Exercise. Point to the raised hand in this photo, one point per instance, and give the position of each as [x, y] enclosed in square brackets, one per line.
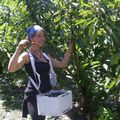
[23, 44]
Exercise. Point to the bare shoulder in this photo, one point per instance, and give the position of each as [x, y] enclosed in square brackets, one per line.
[52, 58]
[25, 57]
[55, 62]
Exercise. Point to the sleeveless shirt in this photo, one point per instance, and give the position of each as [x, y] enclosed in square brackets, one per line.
[42, 68]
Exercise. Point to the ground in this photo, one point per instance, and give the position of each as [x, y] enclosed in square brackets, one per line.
[16, 114]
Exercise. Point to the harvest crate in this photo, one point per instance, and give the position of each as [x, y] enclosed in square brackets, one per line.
[54, 104]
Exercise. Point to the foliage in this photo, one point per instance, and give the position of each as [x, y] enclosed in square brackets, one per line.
[94, 71]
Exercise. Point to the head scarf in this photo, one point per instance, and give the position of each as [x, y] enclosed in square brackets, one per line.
[31, 31]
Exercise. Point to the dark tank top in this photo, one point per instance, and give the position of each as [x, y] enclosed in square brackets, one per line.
[42, 68]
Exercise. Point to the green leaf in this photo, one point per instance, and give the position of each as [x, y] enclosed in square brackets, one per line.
[75, 4]
[118, 68]
[111, 84]
[57, 19]
[90, 22]
[85, 12]
[78, 22]
[115, 59]
[95, 62]
[108, 1]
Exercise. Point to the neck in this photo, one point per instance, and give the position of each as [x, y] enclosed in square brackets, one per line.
[35, 49]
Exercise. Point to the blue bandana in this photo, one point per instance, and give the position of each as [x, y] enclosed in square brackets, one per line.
[31, 31]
